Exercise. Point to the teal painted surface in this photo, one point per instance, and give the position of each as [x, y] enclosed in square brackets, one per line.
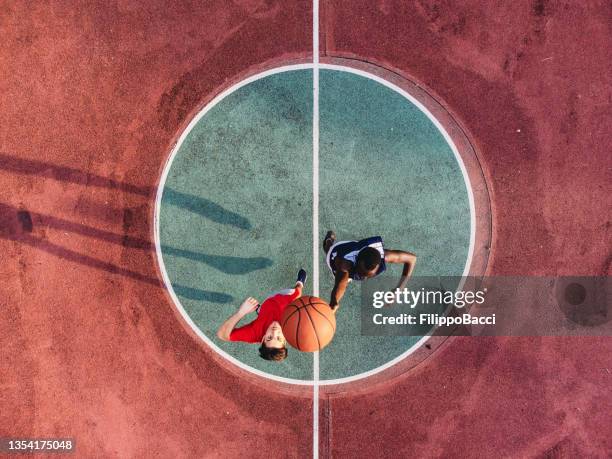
[236, 212]
[385, 170]
[239, 194]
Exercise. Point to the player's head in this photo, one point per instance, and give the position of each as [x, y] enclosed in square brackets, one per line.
[273, 344]
[368, 262]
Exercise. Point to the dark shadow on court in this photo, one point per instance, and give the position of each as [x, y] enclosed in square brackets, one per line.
[226, 264]
[18, 225]
[202, 295]
[86, 260]
[67, 174]
[205, 208]
[195, 204]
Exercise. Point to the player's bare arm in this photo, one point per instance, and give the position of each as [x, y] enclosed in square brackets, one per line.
[249, 305]
[401, 256]
[341, 279]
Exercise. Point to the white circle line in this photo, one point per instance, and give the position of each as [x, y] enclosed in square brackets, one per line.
[468, 185]
[166, 171]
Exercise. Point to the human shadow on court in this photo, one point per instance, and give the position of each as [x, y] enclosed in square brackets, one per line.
[23, 219]
[67, 174]
[226, 264]
[205, 208]
[18, 226]
[195, 204]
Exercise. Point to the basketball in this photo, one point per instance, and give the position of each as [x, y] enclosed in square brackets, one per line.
[308, 324]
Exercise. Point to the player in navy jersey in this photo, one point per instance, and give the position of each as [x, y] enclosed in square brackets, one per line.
[359, 260]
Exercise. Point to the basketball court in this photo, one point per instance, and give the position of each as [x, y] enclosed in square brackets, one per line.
[160, 164]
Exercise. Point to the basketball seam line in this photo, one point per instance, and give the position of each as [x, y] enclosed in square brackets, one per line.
[297, 329]
[326, 318]
[289, 316]
[314, 329]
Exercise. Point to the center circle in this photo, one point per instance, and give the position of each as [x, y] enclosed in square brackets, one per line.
[234, 214]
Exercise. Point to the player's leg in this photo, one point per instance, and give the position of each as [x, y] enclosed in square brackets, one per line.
[299, 285]
[300, 281]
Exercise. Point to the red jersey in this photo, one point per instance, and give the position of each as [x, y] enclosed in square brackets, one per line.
[271, 310]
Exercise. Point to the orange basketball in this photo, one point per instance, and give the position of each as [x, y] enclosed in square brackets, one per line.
[308, 324]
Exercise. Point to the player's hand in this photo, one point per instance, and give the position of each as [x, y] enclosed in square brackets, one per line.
[248, 305]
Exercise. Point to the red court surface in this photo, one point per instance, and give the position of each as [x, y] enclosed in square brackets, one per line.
[92, 99]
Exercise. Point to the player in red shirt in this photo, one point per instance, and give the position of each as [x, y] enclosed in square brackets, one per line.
[265, 329]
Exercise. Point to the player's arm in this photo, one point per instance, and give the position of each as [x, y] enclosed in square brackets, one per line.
[401, 256]
[249, 305]
[341, 279]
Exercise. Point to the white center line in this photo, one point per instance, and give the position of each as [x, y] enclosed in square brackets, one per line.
[315, 215]
[315, 154]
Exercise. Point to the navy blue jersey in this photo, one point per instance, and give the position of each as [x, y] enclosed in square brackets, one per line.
[349, 250]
